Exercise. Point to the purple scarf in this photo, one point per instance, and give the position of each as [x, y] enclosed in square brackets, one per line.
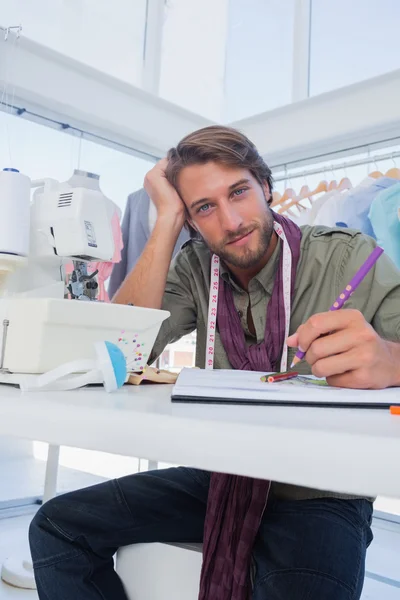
[236, 504]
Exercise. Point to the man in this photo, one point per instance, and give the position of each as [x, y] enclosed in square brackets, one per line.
[306, 544]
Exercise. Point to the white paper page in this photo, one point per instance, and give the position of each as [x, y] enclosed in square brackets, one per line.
[246, 385]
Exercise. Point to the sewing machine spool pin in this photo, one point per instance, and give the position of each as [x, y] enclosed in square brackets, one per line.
[6, 323]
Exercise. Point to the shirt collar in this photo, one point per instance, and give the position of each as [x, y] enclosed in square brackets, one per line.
[384, 182]
[265, 277]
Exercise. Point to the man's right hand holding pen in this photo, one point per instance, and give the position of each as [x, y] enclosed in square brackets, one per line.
[344, 348]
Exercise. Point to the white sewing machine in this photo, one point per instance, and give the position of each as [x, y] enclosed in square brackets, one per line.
[46, 318]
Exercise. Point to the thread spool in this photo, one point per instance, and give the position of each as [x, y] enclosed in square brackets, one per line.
[15, 193]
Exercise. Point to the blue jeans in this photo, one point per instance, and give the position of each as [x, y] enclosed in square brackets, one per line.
[305, 550]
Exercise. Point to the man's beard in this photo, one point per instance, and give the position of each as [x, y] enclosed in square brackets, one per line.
[243, 257]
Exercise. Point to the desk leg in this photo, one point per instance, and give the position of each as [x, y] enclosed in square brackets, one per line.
[50, 479]
[19, 572]
[147, 465]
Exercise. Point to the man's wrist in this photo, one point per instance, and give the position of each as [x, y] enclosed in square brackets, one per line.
[394, 349]
[170, 222]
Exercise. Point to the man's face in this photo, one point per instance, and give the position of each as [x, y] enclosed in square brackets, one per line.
[228, 208]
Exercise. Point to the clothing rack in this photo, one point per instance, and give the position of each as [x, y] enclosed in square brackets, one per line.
[344, 165]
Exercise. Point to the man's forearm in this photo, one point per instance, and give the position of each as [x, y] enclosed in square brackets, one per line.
[145, 284]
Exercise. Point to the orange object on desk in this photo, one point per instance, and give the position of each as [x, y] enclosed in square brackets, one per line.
[281, 377]
[395, 410]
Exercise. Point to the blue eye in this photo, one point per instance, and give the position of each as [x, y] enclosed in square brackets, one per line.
[239, 192]
[204, 208]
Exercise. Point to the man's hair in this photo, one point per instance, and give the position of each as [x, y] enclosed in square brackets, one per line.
[223, 145]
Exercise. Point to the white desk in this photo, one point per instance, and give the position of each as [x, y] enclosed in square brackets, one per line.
[346, 450]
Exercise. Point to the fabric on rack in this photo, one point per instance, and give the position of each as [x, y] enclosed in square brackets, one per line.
[328, 199]
[357, 205]
[299, 218]
[135, 233]
[311, 215]
[327, 208]
[333, 210]
[384, 215]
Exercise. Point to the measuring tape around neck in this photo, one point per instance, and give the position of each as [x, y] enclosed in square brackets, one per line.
[213, 300]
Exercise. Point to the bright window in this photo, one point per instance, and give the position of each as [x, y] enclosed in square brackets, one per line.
[193, 55]
[227, 60]
[259, 57]
[106, 35]
[352, 41]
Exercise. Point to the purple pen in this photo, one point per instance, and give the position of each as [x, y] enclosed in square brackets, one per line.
[349, 289]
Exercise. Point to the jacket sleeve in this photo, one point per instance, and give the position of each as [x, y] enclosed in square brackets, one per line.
[378, 295]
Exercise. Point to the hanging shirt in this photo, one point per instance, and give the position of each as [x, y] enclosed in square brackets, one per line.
[384, 215]
[329, 200]
[357, 205]
[135, 233]
[334, 211]
[301, 217]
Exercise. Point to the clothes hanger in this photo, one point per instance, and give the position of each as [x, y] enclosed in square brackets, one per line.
[289, 211]
[394, 173]
[306, 193]
[294, 202]
[279, 199]
[276, 199]
[288, 194]
[345, 184]
[376, 174]
[321, 187]
[332, 185]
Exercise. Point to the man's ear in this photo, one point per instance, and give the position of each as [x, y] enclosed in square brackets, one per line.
[267, 192]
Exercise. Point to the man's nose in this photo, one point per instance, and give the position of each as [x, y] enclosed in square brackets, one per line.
[230, 219]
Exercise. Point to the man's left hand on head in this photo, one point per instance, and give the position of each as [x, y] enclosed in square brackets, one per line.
[344, 348]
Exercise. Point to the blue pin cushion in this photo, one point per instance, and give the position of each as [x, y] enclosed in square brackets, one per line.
[112, 363]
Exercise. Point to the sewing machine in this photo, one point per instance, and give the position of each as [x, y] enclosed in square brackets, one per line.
[49, 315]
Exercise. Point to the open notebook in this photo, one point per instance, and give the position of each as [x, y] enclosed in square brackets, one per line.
[244, 387]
